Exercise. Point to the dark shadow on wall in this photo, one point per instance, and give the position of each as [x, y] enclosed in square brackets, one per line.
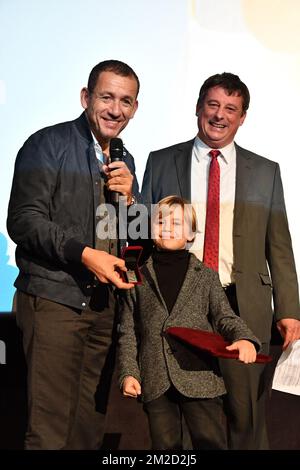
[8, 275]
[13, 399]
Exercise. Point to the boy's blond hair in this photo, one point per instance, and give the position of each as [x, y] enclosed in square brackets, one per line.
[189, 212]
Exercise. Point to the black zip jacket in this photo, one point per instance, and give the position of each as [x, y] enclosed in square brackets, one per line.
[52, 211]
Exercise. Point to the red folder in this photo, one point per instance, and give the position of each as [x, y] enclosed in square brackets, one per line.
[210, 342]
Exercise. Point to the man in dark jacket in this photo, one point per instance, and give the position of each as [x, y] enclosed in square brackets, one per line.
[66, 297]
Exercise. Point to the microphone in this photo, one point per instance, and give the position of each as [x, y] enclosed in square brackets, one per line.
[116, 155]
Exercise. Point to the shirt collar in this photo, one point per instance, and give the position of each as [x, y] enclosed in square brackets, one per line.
[201, 151]
[99, 153]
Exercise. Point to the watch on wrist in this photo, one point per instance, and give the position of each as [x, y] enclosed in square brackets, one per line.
[132, 201]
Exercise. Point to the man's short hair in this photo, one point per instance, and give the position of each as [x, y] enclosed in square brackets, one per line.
[230, 82]
[116, 66]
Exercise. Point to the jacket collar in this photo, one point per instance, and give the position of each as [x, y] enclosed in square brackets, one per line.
[193, 275]
[83, 128]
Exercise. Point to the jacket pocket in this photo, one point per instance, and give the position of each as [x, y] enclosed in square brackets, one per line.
[265, 279]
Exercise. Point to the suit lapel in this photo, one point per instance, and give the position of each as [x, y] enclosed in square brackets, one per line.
[149, 273]
[183, 162]
[189, 286]
[243, 177]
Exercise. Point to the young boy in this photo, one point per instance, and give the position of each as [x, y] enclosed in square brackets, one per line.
[173, 379]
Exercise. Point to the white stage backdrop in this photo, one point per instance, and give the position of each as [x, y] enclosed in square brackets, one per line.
[48, 47]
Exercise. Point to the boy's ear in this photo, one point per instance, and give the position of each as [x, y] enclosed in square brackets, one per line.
[189, 234]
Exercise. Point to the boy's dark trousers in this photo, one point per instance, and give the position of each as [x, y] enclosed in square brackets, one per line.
[204, 419]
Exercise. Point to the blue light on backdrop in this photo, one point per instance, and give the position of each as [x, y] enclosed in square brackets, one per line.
[48, 48]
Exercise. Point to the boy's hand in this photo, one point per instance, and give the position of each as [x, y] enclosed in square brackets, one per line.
[247, 351]
[131, 387]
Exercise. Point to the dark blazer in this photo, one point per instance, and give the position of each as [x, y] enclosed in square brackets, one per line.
[52, 211]
[263, 257]
[156, 360]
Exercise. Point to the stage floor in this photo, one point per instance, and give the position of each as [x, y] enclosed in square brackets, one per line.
[126, 426]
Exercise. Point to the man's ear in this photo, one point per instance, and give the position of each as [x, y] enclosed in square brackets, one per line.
[243, 117]
[135, 107]
[84, 97]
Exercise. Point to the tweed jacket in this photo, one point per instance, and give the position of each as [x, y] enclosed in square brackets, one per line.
[263, 260]
[157, 361]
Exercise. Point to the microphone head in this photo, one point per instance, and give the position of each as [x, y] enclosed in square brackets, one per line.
[116, 150]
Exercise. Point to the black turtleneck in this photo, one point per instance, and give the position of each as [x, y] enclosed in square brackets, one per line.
[170, 267]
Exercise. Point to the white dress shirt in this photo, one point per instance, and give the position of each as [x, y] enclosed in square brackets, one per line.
[99, 153]
[199, 183]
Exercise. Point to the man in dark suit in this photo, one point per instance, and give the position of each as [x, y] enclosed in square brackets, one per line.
[66, 300]
[256, 260]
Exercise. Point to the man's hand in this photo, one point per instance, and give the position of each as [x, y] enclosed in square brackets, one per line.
[119, 179]
[131, 387]
[289, 329]
[105, 266]
[247, 351]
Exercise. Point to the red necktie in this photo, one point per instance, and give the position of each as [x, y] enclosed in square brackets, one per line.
[211, 238]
